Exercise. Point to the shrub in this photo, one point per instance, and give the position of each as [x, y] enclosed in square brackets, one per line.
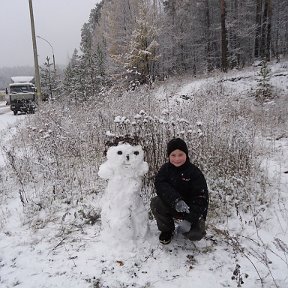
[58, 152]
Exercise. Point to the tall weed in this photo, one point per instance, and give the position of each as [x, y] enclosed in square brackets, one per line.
[59, 150]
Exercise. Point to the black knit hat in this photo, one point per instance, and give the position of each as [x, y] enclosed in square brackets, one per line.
[176, 143]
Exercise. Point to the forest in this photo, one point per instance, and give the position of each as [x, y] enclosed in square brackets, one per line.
[213, 73]
[134, 42]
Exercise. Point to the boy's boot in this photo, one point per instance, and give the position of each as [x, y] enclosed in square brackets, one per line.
[166, 237]
[197, 231]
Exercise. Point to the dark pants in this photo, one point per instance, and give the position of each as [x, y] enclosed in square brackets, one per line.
[165, 215]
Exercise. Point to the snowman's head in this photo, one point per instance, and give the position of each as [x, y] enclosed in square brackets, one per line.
[124, 156]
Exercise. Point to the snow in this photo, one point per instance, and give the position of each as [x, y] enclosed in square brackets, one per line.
[47, 257]
[9, 118]
[7, 125]
[22, 79]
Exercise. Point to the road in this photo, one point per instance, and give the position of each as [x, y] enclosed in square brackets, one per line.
[7, 122]
[4, 108]
[7, 118]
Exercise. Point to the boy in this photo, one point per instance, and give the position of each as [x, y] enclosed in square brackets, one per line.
[182, 194]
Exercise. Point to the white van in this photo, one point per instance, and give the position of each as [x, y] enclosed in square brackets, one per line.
[22, 95]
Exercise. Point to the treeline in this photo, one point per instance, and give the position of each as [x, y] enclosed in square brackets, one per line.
[7, 72]
[137, 41]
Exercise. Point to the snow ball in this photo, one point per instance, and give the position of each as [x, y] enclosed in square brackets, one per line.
[142, 112]
[46, 136]
[182, 120]
[165, 112]
[127, 121]
[117, 119]
[137, 116]
[109, 134]
[163, 121]
[199, 132]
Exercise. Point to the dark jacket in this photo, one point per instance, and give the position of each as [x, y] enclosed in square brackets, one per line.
[185, 182]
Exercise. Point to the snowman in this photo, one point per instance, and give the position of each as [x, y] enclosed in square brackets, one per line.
[124, 217]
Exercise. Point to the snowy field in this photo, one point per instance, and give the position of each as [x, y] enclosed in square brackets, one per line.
[6, 115]
[238, 254]
[7, 125]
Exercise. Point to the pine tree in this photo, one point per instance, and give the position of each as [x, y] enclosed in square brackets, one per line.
[264, 88]
[49, 83]
[88, 65]
[73, 85]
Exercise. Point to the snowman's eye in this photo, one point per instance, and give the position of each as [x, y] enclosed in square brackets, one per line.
[136, 152]
[119, 152]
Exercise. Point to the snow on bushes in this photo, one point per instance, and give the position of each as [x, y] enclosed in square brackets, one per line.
[58, 152]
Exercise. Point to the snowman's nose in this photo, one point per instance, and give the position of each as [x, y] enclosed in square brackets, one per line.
[127, 157]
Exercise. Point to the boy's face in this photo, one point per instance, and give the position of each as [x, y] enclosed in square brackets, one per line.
[177, 158]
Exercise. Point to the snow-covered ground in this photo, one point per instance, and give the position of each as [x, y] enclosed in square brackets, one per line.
[6, 115]
[231, 253]
[7, 125]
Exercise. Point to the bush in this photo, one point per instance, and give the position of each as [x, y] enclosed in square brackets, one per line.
[57, 154]
[264, 88]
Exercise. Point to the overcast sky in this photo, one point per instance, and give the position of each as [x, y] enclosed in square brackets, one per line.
[57, 21]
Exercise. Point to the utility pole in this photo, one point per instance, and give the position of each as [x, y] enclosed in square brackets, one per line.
[36, 66]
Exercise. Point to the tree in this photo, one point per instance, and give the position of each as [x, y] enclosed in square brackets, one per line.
[73, 85]
[181, 42]
[240, 19]
[48, 83]
[208, 35]
[224, 42]
[142, 55]
[153, 38]
[99, 50]
[120, 19]
[264, 89]
[279, 29]
[263, 29]
[88, 63]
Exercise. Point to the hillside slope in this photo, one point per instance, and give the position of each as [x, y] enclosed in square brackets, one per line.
[57, 248]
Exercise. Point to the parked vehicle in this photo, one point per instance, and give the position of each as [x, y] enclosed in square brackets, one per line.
[22, 96]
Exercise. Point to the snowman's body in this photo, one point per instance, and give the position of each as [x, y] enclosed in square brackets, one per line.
[124, 216]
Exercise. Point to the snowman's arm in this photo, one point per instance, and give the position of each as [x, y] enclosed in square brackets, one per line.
[105, 171]
[143, 169]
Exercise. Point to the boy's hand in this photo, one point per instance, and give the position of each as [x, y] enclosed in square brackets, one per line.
[181, 206]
